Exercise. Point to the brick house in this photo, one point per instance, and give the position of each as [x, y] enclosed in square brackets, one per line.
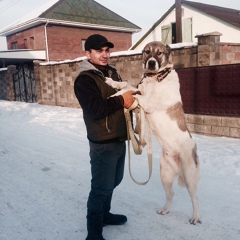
[61, 27]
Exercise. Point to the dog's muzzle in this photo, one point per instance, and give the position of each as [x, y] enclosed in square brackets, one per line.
[151, 65]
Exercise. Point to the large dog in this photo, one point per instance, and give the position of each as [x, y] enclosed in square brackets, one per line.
[161, 101]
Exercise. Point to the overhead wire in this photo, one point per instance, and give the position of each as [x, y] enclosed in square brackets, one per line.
[8, 4]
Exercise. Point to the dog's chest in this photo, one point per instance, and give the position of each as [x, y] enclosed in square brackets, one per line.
[162, 94]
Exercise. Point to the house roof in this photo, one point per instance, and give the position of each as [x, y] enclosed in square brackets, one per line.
[78, 13]
[231, 16]
[17, 56]
[228, 15]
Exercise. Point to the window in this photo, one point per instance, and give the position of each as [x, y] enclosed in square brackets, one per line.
[174, 33]
[25, 43]
[83, 43]
[14, 45]
[169, 32]
[32, 42]
[187, 30]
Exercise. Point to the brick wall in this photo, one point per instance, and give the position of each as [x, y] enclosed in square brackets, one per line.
[55, 84]
[185, 57]
[6, 83]
[209, 51]
[55, 81]
[3, 84]
[230, 53]
[65, 42]
[129, 67]
[33, 38]
[214, 125]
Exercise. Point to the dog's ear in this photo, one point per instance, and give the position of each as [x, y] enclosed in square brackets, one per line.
[169, 54]
[169, 50]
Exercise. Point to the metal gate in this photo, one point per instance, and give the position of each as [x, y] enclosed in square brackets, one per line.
[211, 90]
[24, 84]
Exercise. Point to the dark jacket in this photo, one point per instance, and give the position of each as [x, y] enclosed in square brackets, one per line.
[103, 115]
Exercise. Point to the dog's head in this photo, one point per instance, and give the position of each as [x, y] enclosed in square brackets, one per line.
[156, 57]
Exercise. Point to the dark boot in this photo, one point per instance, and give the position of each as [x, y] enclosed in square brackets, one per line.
[109, 218]
[95, 227]
[114, 219]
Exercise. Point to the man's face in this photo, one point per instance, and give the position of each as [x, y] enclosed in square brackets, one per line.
[99, 57]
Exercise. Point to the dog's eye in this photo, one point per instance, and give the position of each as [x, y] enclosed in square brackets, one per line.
[159, 53]
[147, 51]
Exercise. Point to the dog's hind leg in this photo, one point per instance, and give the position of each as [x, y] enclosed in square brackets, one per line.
[167, 176]
[193, 194]
[192, 179]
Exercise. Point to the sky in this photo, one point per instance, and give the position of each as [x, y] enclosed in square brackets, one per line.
[45, 181]
[142, 13]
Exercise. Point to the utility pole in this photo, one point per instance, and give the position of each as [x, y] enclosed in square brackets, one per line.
[178, 21]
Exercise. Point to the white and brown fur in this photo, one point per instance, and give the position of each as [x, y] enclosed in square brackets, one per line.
[161, 101]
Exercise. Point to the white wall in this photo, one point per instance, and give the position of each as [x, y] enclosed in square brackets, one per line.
[201, 24]
[3, 43]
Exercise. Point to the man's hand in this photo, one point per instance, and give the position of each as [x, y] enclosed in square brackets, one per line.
[128, 99]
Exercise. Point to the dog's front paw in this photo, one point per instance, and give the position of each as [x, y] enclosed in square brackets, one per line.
[115, 84]
[121, 85]
[194, 221]
[110, 82]
[162, 211]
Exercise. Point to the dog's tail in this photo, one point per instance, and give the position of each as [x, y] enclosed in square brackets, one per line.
[181, 182]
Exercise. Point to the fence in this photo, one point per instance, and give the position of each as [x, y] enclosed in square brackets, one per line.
[211, 99]
[210, 93]
[213, 90]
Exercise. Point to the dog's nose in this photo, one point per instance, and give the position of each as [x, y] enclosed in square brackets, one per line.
[151, 65]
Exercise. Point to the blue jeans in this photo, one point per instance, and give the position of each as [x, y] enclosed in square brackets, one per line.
[107, 168]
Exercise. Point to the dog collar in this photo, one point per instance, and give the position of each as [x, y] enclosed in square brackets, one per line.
[160, 75]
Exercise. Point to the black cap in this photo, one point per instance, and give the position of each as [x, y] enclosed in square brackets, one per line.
[97, 41]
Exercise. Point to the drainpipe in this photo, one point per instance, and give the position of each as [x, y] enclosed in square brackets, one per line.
[178, 20]
[46, 40]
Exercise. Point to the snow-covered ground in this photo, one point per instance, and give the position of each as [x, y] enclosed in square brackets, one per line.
[45, 180]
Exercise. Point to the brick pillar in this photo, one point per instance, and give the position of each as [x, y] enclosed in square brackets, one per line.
[11, 69]
[3, 84]
[208, 49]
[38, 81]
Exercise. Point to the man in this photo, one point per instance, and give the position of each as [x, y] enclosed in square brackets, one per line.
[106, 131]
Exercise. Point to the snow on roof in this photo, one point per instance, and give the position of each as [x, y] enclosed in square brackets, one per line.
[121, 53]
[113, 54]
[182, 45]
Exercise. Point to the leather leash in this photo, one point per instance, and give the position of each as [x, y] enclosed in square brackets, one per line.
[138, 144]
